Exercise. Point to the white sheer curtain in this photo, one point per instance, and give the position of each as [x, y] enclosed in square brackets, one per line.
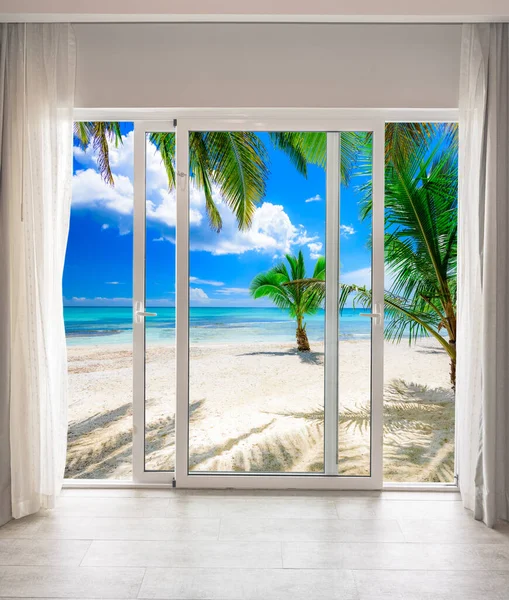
[483, 273]
[35, 189]
[5, 452]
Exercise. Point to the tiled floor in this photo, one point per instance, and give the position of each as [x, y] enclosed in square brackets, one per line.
[172, 544]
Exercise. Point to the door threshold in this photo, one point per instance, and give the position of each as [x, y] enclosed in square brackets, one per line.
[387, 487]
[420, 487]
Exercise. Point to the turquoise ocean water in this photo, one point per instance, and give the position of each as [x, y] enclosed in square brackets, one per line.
[108, 325]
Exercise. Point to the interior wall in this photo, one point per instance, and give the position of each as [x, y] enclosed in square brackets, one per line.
[267, 65]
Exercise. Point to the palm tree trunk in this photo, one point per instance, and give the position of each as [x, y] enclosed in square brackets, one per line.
[453, 373]
[450, 311]
[453, 368]
[302, 338]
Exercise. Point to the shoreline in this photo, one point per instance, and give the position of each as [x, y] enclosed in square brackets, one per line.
[361, 338]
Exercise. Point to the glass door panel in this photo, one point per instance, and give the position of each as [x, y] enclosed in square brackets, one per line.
[279, 279]
[154, 315]
[356, 307]
[256, 328]
[160, 213]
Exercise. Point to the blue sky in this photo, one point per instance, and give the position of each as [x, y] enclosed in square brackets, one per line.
[291, 216]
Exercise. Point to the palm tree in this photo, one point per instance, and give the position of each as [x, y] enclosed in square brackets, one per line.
[421, 201]
[421, 232]
[285, 291]
[236, 162]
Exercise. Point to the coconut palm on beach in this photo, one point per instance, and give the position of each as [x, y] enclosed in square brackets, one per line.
[281, 285]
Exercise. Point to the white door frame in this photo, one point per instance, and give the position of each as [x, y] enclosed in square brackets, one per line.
[328, 480]
[153, 119]
[140, 474]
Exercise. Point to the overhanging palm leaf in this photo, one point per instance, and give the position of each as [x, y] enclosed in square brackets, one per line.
[236, 162]
[421, 236]
[420, 241]
[100, 133]
[310, 147]
[165, 143]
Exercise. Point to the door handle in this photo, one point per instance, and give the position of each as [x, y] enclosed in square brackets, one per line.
[376, 315]
[140, 314]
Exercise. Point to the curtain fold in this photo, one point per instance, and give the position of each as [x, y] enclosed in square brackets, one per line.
[35, 191]
[483, 273]
[5, 451]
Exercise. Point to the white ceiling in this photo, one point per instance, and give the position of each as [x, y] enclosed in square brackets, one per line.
[382, 11]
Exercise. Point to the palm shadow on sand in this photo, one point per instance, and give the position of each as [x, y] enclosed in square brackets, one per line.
[93, 454]
[310, 358]
[418, 432]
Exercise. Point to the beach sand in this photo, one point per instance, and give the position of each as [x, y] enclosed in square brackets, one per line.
[259, 407]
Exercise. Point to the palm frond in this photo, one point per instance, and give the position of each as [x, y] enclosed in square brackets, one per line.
[237, 162]
[165, 143]
[310, 147]
[100, 134]
[292, 143]
[238, 165]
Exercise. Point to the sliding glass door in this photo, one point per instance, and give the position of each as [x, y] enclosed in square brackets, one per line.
[271, 375]
[255, 320]
[254, 246]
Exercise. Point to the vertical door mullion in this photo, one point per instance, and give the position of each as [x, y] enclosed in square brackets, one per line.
[182, 307]
[377, 282]
[331, 303]
[139, 304]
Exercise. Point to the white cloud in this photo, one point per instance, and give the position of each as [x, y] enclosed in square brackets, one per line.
[303, 238]
[360, 277]
[113, 282]
[105, 226]
[205, 281]
[315, 249]
[163, 208]
[165, 238]
[117, 301]
[89, 189]
[272, 231]
[316, 198]
[346, 230]
[230, 291]
[198, 295]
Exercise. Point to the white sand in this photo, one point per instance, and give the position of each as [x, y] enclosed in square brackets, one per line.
[259, 407]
